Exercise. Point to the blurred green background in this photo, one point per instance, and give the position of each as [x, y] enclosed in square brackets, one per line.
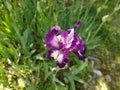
[23, 28]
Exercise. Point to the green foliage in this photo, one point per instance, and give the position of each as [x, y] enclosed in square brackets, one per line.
[23, 27]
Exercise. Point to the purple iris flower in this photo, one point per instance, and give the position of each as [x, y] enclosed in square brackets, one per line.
[61, 43]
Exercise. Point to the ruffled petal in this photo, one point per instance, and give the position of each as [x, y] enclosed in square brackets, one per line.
[52, 41]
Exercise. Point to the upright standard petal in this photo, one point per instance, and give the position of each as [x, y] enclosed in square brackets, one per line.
[64, 37]
[55, 29]
[71, 35]
[77, 25]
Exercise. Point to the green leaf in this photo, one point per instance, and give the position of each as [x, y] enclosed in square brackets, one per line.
[47, 75]
[61, 87]
[71, 82]
[25, 37]
[58, 81]
[76, 70]
[78, 80]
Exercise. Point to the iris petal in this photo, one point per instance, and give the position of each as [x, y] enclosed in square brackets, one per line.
[64, 59]
[63, 63]
[52, 41]
[60, 56]
[80, 56]
[71, 35]
[77, 25]
[64, 36]
[55, 54]
[55, 29]
[49, 54]
[80, 45]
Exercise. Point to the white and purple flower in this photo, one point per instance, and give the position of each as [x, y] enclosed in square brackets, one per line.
[61, 44]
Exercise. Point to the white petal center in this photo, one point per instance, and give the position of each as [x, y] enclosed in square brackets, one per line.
[57, 55]
[60, 58]
[54, 42]
[70, 36]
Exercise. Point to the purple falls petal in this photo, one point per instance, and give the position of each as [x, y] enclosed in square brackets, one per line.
[81, 48]
[49, 54]
[63, 63]
[52, 41]
[80, 55]
[64, 60]
[80, 45]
